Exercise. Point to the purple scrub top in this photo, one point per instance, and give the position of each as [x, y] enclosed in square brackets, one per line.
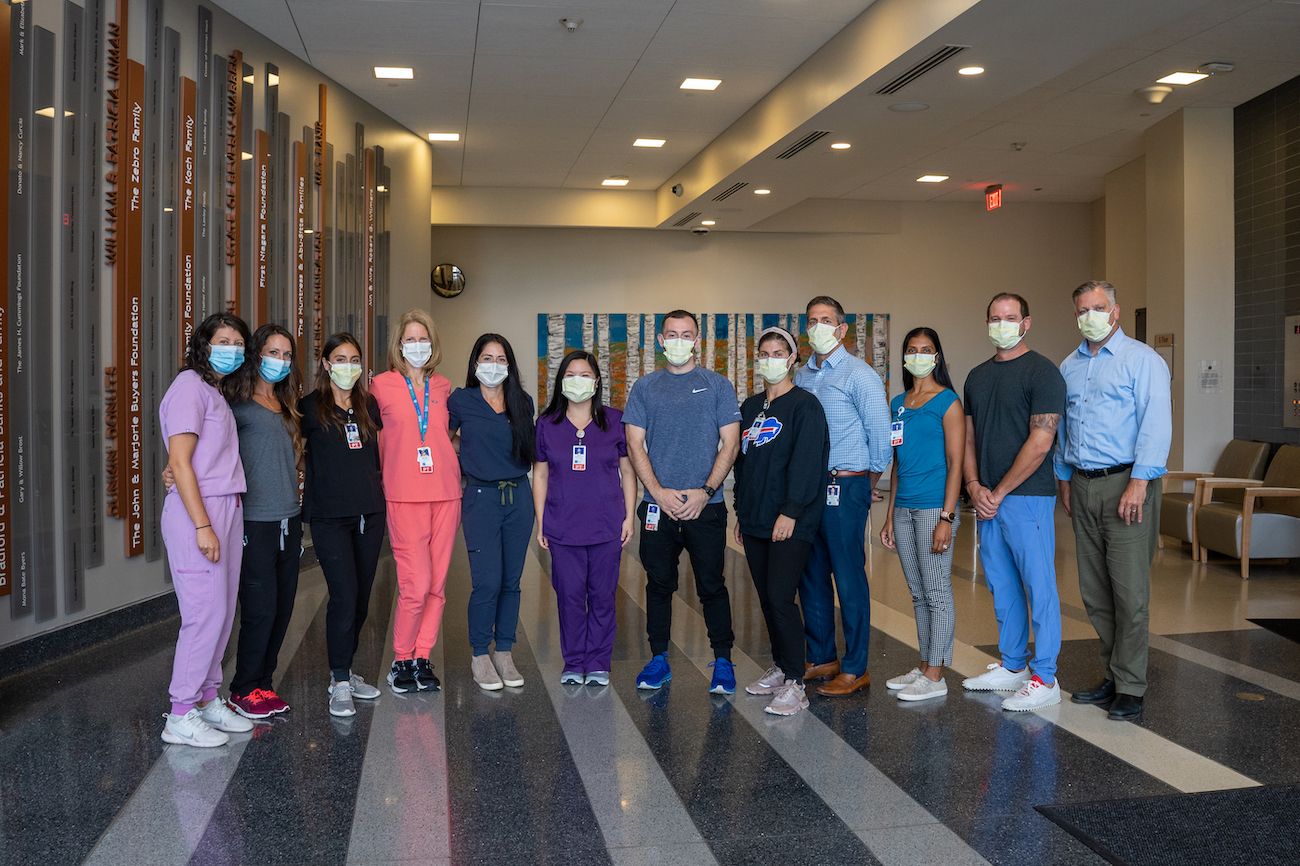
[583, 507]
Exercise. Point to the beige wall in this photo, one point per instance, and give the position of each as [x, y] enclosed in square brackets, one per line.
[939, 270]
[1124, 238]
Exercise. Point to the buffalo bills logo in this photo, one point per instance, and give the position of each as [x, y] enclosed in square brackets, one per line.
[766, 432]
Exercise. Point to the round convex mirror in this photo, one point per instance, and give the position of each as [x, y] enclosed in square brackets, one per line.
[448, 280]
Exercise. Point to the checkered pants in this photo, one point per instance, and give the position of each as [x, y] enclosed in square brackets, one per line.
[929, 577]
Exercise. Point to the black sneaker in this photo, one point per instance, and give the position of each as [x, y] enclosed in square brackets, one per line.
[401, 677]
[425, 676]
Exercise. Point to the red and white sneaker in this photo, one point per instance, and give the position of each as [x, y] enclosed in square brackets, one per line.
[1033, 695]
[274, 701]
[252, 705]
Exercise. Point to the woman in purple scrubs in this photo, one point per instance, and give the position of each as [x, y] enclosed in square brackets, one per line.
[583, 492]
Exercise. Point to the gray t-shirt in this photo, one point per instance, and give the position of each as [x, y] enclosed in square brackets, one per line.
[1000, 398]
[266, 450]
[681, 414]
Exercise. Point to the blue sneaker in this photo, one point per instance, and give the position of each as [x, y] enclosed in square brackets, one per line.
[655, 674]
[724, 677]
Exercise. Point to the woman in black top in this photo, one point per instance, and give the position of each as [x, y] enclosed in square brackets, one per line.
[779, 494]
[344, 503]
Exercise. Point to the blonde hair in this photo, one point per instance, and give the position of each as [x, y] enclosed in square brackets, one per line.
[395, 359]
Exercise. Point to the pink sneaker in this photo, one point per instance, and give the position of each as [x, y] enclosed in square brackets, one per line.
[274, 701]
[252, 705]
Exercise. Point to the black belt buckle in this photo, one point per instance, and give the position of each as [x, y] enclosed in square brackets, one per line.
[1103, 473]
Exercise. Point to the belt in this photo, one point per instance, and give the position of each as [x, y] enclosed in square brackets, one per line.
[847, 473]
[1102, 473]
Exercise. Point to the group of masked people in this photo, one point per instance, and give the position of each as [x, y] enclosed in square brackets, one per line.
[251, 458]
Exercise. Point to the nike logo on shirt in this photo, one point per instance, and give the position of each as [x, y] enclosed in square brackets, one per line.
[698, 390]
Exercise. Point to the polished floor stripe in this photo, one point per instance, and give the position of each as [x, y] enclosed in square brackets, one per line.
[1257, 647]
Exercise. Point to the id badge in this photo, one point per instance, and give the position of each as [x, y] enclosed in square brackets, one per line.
[832, 494]
[353, 433]
[579, 458]
[652, 517]
[896, 433]
[424, 456]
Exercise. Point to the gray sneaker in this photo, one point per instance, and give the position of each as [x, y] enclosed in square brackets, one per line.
[505, 665]
[363, 690]
[788, 700]
[341, 700]
[484, 673]
[922, 689]
[767, 683]
[903, 681]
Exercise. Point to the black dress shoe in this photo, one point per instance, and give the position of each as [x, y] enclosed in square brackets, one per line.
[1102, 694]
[1127, 708]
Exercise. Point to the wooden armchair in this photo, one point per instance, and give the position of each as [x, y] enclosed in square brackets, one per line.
[1240, 459]
[1266, 525]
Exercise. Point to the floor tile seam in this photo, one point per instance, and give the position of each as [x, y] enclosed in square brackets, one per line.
[1275, 683]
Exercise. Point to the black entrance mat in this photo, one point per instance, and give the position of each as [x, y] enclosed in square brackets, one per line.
[1288, 628]
[1242, 827]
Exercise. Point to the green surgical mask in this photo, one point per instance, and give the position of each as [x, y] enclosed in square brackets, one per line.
[345, 375]
[1005, 335]
[772, 370]
[919, 365]
[678, 351]
[821, 337]
[1095, 325]
[579, 389]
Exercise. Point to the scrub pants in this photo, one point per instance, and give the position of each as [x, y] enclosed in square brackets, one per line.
[585, 578]
[422, 535]
[840, 548]
[206, 592]
[497, 518]
[348, 550]
[1018, 550]
[268, 582]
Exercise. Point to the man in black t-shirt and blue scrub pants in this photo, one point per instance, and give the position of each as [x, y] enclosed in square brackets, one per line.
[1014, 402]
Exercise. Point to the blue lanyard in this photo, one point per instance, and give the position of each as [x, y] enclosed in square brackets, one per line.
[422, 417]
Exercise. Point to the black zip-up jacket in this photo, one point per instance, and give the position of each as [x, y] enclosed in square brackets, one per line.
[782, 464]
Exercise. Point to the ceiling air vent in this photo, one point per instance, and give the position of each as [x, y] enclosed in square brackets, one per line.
[731, 190]
[807, 141]
[689, 218]
[921, 68]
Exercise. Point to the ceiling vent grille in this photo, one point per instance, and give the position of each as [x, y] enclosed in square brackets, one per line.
[803, 143]
[731, 190]
[921, 68]
[689, 218]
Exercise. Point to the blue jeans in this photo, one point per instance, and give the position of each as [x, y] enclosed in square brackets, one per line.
[1018, 550]
[839, 549]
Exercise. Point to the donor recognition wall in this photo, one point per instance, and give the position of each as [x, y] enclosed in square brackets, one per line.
[142, 195]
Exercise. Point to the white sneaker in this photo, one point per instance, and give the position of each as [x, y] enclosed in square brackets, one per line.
[1033, 695]
[341, 700]
[191, 730]
[788, 700]
[598, 678]
[903, 681]
[218, 715]
[767, 683]
[362, 689]
[572, 678]
[996, 679]
[922, 689]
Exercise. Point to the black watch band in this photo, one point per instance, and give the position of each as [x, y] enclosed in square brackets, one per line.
[709, 490]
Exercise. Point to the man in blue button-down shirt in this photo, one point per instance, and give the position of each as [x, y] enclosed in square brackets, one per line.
[857, 413]
[1111, 456]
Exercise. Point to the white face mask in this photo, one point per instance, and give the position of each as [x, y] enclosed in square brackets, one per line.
[678, 351]
[1095, 325]
[1005, 335]
[579, 389]
[491, 373]
[772, 370]
[821, 337]
[417, 354]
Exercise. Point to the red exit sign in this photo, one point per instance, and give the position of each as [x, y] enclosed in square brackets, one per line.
[993, 197]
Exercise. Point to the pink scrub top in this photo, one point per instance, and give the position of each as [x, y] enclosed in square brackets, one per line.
[193, 406]
[400, 443]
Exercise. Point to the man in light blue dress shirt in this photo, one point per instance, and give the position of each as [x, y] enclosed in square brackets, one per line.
[857, 412]
[1111, 457]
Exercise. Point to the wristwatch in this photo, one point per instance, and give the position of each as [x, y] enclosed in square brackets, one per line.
[709, 490]
[948, 516]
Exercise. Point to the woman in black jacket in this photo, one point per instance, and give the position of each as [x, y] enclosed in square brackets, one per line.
[779, 499]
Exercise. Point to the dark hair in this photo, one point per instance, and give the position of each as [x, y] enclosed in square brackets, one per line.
[827, 301]
[326, 412]
[519, 406]
[941, 366]
[785, 337]
[680, 314]
[1004, 296]
[560, 404]
[238, 386]
[196, 354]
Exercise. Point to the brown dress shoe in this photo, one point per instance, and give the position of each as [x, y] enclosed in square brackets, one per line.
[821, 672]
[844, 684]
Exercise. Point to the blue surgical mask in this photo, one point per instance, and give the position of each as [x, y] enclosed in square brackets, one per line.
[273, 369]
[226, 359]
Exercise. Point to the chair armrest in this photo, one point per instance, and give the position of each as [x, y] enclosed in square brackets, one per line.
[1186, 476]
[1257, 492]
[1205, 487]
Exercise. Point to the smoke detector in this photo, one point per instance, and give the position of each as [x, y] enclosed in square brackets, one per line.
[571, 24]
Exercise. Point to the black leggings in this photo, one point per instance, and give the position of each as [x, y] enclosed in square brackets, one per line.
[348, 550]
[268, 582]
[776, 567]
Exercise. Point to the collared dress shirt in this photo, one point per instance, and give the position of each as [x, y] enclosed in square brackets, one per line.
[857, 410]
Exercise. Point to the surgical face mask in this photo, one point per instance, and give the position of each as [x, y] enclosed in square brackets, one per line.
[821, 337]
[417, 354]
[579, 389]
[919, 365]
[345, 375]
[678, 351]
[273, 369]
[1005, 335]
[491, 374]
[1095, 325]
[226, 359]
[773, 370]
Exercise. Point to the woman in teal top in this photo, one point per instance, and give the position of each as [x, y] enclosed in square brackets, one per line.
[928, 432]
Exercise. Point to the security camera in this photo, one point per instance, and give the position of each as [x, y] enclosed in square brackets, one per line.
[1156, 93]
[678, 190]
[700, 230]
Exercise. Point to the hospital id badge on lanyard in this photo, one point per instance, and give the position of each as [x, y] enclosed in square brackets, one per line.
[652, 517]
[896, 430]
[353, 433]
[580, 453]
[423, 454]
[832, 494]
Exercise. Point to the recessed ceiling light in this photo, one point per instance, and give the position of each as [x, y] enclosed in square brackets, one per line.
[908, 107]
[708, 222]
[701, 84]
[841, 145]
[650, 142]
[444, 136]
[1182, 78]
[401, 72]
[617, 180]
[762, 191]
[971, 70]
[932, 178]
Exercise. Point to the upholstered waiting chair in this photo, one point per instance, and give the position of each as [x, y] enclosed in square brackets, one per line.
[1266, 525]
[1240, 459]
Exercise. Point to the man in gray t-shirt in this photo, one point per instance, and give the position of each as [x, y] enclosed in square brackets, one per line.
[683, 434]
